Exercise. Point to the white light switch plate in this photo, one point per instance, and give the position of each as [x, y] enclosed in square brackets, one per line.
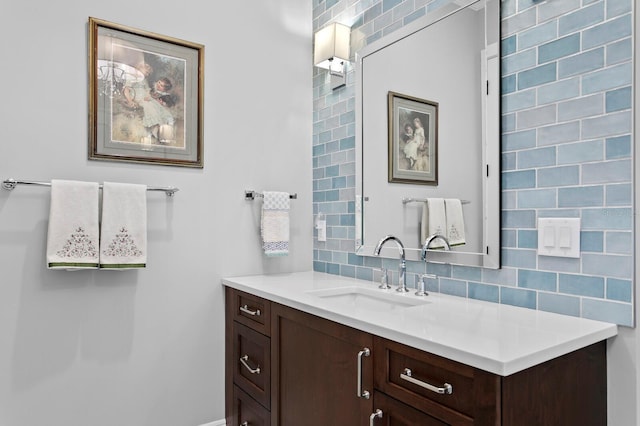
[559, 237]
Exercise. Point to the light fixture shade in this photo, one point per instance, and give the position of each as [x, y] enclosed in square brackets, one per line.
[331, 43]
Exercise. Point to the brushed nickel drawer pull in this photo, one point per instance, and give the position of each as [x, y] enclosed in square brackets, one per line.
[373, 416]
[361, 393]
[246, 310]
[244, 359]
[446, 389]
[244, 424]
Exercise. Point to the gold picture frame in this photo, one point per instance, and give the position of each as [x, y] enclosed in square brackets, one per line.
[413, 140]
[145, 96]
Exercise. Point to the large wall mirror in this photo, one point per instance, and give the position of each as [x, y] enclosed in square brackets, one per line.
[443, 69]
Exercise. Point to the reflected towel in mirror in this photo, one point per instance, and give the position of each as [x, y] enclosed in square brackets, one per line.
[443, 217]
[434, 221]
[455, 222]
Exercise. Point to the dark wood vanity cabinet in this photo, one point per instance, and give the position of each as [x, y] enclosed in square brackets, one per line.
[450, 392]
[568, 390]
[247, 359]
[318, 372]
[311, 369]
[322, 371]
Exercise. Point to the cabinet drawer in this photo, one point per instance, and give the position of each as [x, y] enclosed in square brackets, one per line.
[252, 363]
[248, 412]
[435, 385]
[398, 414]
[250, 310]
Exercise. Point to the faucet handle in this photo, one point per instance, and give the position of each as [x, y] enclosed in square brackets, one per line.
[422, 284]
[384, 279]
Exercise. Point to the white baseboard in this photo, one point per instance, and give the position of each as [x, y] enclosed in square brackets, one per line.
[216, 423]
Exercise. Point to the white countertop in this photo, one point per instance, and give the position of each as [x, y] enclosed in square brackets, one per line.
[501, 339]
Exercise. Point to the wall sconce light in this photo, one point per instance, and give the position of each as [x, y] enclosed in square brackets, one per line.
[331, 51]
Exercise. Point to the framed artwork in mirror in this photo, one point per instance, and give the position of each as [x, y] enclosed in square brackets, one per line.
[413, 140]
[145, 96]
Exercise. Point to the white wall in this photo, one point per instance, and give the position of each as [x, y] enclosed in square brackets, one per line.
[144, 347]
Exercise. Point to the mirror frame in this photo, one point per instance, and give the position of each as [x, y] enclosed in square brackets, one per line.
[491, 118]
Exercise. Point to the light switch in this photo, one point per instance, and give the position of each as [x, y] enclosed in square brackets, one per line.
[549, 233]
[559, 237]
[564, 241]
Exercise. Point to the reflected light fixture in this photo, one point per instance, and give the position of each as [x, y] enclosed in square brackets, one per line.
[331, 51]
[113, 76]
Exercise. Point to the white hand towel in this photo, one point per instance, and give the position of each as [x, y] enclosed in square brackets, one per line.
[275, 223]
[123, 237]
[455, 222]
[72, 238]
[434, 221]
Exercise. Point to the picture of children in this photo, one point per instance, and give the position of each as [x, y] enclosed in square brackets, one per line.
[405, 138]
[411, 150]
[157, 116]
[413, 140]
[422, 150]
[414, 145]
[148, 111]
[146, 96]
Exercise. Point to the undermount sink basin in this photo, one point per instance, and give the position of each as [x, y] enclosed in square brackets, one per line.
[370, 299]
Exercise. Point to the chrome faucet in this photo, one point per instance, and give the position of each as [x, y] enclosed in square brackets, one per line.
[427, 243]
[402, 281]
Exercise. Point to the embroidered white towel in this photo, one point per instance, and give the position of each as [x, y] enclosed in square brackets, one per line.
[123, 236]
[455, 222]
[72, 237]
[275, 223]
[434, 221]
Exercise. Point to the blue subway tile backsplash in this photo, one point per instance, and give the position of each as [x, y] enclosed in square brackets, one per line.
[560, 48]
[567, 151]
[581, 285]
[480, 291]
[620, 290]
[558, 303]
[587, 106]
[618, 147]
[558, 176]
[581, 196]
[609, 31]
[537, 76]
[518, 297]
[581, 152]
[538, 280]
[582, 63]
[619, 52]
[592, 241]
[581, 18]
[618, 99]
[608, 78]
[618, 194]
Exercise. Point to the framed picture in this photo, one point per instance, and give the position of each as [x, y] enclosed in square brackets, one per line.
[413, 140]
[145, 97]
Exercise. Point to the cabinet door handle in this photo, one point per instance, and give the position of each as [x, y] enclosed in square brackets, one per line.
[445, 389]
[244, 359]
[246, 310]
[361, 393]
[373, 416]
[244, 424]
